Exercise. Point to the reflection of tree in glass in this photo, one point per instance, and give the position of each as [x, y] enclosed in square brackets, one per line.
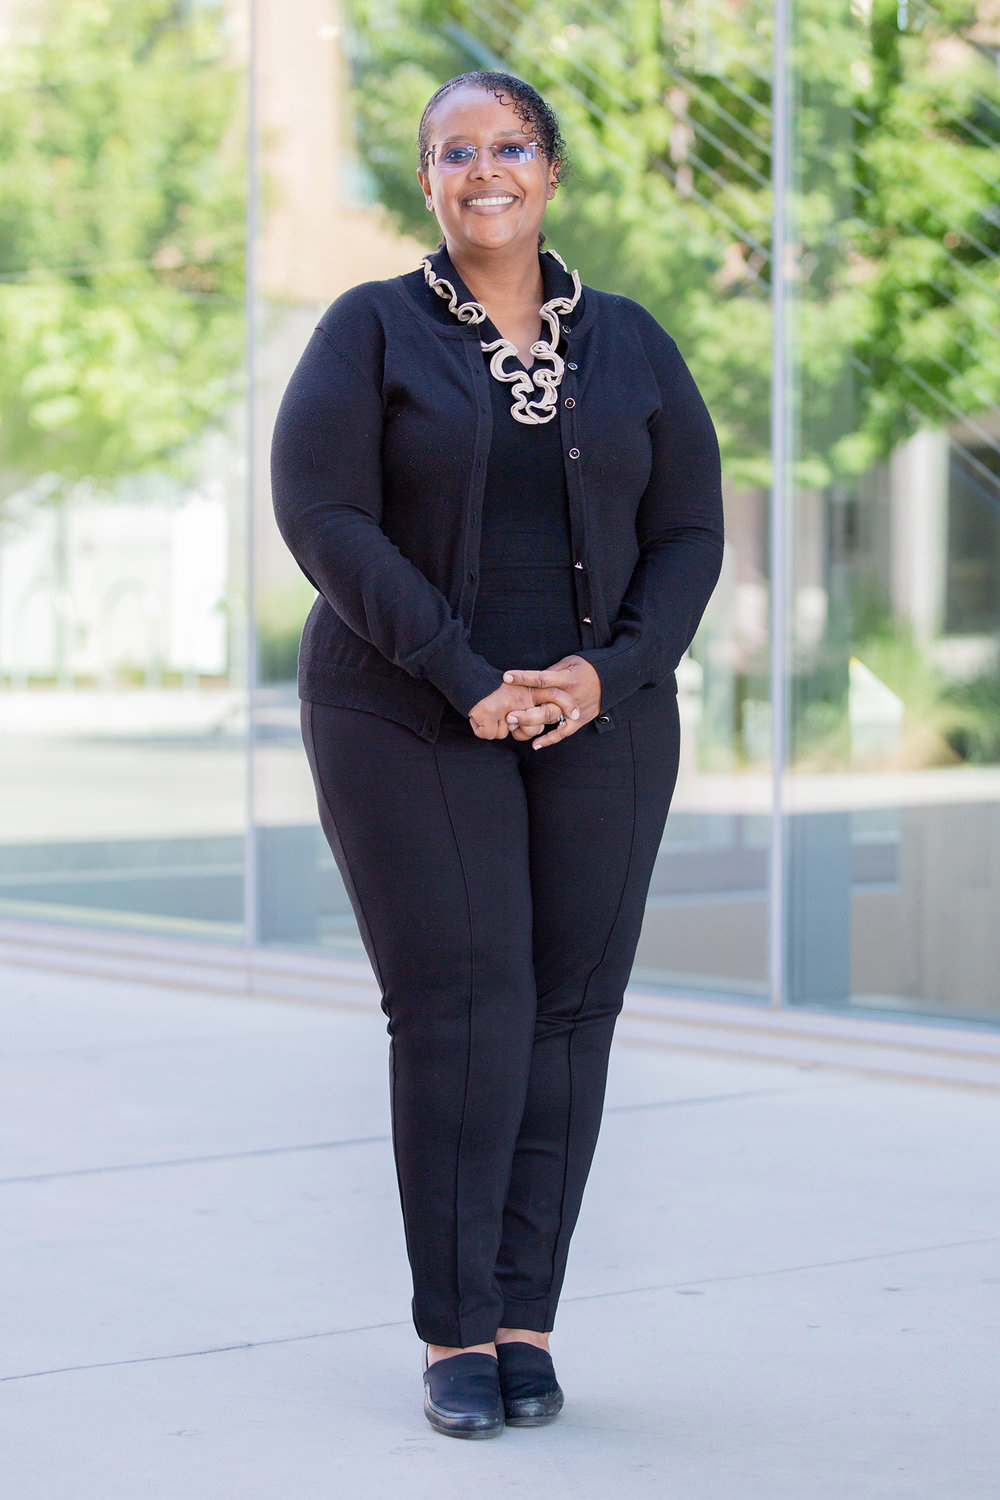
[944, 721]
[121, 237]
[652, 207]
[667, 112]
[923, 250]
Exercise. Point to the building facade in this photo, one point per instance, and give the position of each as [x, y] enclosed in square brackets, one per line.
[816, 224]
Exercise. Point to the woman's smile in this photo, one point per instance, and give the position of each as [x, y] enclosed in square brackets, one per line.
[490, 200]
[489, 203]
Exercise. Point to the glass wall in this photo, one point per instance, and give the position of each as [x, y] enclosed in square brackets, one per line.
[152, 770]
[893, 838]
[668, 200]
[123, 619]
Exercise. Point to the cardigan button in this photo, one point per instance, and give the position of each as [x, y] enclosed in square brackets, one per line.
[574, 453]
[571, 365]
[603, 719]
[587, 620]
[578, 565]
[569, 401]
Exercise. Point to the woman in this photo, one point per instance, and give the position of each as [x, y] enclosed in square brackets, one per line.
[505, 488]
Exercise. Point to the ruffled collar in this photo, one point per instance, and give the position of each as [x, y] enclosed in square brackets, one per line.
[534, 393]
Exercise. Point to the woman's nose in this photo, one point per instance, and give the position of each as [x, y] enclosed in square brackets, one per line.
[484, 165]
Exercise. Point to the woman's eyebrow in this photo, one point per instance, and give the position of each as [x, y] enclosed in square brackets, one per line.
[466, 138]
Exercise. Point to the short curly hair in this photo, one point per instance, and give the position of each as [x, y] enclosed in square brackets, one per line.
[526, 102]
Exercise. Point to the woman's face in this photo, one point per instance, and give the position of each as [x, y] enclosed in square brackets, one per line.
[487, 204]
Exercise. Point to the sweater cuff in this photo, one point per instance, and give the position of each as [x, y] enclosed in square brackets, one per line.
[623, 670]
[464, 677]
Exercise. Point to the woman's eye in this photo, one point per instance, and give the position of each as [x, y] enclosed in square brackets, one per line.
[458, 154]
[512, 151]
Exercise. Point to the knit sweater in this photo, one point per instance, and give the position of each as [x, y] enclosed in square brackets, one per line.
[379, 461]
[526, 611]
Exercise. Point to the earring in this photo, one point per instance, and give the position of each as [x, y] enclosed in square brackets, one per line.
[430, 205]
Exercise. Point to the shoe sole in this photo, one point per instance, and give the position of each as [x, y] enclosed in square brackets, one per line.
[533, 1418]
[473, 1433]
[455, 1427]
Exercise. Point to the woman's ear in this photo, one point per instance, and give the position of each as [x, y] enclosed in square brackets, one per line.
[425, 187]
[553, 177]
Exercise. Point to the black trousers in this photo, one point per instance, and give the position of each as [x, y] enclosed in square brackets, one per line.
[499, 891]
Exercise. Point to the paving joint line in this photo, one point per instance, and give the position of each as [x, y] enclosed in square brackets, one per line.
[194, 1161]
[152, 1359]
[616, 1109]
[817, 1265]
[302, 1338]
[371, 1140]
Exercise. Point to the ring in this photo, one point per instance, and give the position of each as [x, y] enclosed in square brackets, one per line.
[560, 721]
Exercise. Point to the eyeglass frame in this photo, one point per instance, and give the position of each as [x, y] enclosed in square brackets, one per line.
[429, 155]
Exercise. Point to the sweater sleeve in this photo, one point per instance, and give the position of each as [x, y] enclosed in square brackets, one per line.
[326, 483]
[679, 527]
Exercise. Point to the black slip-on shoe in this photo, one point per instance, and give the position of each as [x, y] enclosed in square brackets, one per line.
[528, 1385]
[462, 1396]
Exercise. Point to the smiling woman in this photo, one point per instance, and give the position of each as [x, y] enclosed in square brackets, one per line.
[505, 487]
[490, 198]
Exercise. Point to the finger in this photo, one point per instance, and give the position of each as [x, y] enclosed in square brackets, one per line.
[566, 702]
[547, 712]
[555, 734]
[527, 731]
[549, 678]
[558, 731]
[547, 705]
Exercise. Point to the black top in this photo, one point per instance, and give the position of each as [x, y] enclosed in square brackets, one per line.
[525, 613]
[380, 500]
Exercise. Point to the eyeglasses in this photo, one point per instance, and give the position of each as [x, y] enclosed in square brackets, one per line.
[457, 154]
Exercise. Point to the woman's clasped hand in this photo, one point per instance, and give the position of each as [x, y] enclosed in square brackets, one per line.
[530, 704]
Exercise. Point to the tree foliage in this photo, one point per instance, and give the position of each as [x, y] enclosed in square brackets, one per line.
[121, 237]
[892, 260]
[923, 246]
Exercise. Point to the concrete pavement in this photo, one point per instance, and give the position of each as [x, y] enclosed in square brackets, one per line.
[784, 1285]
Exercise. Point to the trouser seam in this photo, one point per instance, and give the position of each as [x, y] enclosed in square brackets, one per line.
[559, 1247]
[468, 1051]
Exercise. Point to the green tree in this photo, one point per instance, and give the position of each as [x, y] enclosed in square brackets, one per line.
[893, 259]
[121, 237]
[633, 214]
[923, 248]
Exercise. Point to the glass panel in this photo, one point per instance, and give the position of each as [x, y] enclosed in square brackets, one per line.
[669, 206]
[894, 838]
[122, 615]
[320, 233]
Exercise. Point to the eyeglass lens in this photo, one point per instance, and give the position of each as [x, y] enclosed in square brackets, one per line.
[462, 153]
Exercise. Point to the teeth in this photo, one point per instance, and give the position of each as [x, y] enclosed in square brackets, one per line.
[484, 202]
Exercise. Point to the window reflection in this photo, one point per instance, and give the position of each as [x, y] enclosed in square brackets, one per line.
[895, 796]
[125, 501]
[122, 471]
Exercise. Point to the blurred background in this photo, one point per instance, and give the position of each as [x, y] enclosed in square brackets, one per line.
[186, 184]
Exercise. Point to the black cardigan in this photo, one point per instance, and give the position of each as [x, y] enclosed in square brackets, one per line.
[378, 467]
